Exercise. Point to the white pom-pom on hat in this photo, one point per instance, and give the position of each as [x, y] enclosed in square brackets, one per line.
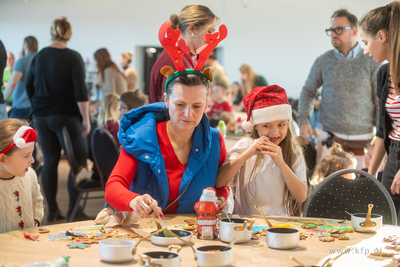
[247, 126]
[18, 139]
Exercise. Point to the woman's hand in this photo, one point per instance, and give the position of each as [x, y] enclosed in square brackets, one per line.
[274, 151]
[395, 188]
[257, 146]
[85, 128]
[222, 203]
[144, 206]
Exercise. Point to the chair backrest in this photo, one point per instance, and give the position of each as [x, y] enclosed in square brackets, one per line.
[69, 151]
[336, 194]
[105, 152]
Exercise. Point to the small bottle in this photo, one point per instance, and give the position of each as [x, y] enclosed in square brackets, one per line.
[206, 209]
[61, 261]
[222, 128]
[238, 126]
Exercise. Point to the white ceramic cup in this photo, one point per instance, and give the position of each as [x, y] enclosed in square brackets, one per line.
[116, 250]
[242, 228]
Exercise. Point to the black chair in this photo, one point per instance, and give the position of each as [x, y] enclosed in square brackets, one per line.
[85, 186]
[336, 194]
[105, 152]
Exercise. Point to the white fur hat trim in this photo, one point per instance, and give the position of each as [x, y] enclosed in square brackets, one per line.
[18, 137]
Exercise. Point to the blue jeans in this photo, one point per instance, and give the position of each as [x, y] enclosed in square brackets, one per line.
[49, 131]
[3, 111]
[20, 113]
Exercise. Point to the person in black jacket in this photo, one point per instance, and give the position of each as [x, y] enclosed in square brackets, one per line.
[380, 32]
[3, 63]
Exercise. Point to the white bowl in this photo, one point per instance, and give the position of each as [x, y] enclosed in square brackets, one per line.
[282, 238]
[242, 228]
[215, 259]
[163, 258]
[357, 218]
[116, 250]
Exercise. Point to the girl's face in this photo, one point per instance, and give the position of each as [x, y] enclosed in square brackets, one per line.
[186, 106]
[18, 162]
[350, 176]
[123, 62]
[218, 93]
[276, 131]
[376, 46]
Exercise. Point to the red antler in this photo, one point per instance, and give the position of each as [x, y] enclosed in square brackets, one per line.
[212, 39]
[168, 39]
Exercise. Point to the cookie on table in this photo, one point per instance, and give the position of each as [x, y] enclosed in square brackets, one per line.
[316, 222]
[343, 237]
[335, 235]
[383, 254]
[326, 239]
[390, 238]
[308, 226]
[345, 230]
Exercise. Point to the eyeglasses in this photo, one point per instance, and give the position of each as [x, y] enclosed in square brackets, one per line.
[338, 30]
[121, 108]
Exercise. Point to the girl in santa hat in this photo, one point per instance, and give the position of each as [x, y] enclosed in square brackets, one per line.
[269, 166]
[21, 203]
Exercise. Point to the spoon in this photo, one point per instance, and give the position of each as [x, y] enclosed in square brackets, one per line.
[232, 242]
[348, 212]
[262, 214]
[331, 261]
[368, 222]
[227, 216]
[298, 262]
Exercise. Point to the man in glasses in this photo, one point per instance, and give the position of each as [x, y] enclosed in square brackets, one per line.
[349, 105]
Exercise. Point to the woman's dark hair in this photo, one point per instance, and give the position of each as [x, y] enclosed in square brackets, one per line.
[188, 80]
[387, 19]
[103, 61]
[31, 43]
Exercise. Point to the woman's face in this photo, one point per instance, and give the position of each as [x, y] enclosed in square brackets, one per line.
[123, 62]
[10, 61]
[376, 46]
[198, 40]
[186, 106]
[245, 76]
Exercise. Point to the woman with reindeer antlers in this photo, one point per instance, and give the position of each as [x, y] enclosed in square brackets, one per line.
[170, 153]
[194, 22]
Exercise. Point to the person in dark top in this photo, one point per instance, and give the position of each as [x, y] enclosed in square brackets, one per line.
[3, 63]
[56, 89]
[194, 22]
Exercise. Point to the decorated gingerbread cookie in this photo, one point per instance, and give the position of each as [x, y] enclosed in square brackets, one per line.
[326, 239]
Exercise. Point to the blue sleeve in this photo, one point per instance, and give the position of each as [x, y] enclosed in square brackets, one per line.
[19, 65]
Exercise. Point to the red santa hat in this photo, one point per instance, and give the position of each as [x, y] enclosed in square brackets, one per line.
[22, 138]
[266, 104]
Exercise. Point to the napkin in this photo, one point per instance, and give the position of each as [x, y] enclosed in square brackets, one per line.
[110, 218]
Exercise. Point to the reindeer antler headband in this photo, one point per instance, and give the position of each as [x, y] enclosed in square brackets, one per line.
[176, 47]
[22, 138]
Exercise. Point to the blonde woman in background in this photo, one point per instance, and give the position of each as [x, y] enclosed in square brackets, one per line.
[129, 71]
[108, 117]
[194, 22]
[250, 80]
[112, 79]
[57, 92]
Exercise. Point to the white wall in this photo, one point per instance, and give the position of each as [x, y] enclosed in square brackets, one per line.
[280, 39]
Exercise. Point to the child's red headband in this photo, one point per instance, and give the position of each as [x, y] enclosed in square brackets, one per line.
[22, 138]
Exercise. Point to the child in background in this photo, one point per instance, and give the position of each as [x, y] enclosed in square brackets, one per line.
[269, 164]
[108, 117]
[131, 100]
[219, 93]
[21, 203]
[337, 160]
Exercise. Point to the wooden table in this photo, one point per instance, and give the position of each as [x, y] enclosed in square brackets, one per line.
[17, 250]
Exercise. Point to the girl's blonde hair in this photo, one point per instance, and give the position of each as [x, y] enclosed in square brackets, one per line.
[108, 110]
[250, 83]
[8, 127]
[387, 19]
[337, 160]
[289, 147]
[61, 30]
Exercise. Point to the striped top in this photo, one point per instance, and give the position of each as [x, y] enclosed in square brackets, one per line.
[393, 109]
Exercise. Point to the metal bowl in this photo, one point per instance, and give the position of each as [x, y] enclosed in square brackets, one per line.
[282, 238]
[242, 228]
[160, 239]
[215, 259]
[357, 218]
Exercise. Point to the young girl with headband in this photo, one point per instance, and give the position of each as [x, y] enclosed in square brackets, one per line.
[21, 203]
[269, 163]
